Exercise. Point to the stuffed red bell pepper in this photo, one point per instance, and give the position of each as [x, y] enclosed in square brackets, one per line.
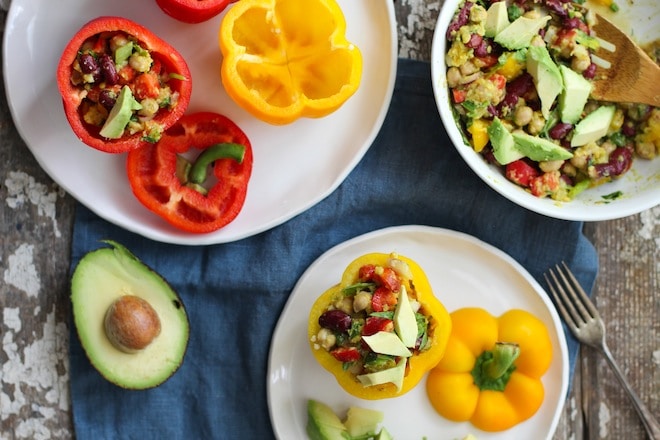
[193, 11]
[121, 85]
[169, 180]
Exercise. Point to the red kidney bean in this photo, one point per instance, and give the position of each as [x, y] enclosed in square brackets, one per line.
[475, 41]
[572, 23]
[87, 63]
[556, 7]
[560, 130]
[590, 71]
[335, 320]
[619, 162]
[628, 129]
[461, 20]
[107, 99]
[108, 69]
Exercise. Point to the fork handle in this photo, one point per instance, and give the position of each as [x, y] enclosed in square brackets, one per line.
[650, 423]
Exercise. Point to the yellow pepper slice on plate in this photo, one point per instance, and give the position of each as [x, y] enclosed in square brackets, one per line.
[367, 301]
[286, 59]
[492, 368]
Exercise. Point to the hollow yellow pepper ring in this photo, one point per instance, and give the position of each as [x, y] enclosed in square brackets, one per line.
[419, 364]
[286, 59]
[457, 395]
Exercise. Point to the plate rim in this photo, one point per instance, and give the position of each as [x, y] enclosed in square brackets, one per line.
[165, 233]
[541, 294]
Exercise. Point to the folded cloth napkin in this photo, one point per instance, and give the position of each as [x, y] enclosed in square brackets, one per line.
[234, 292]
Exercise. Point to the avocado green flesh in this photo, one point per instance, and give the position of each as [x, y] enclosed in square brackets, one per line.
[323, 423]
[99, 279]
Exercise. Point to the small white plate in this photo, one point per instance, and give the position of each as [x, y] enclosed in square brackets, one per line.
[463, 271]
[295, 166]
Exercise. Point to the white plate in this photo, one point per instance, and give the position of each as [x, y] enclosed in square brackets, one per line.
[640, 187]
[464, 271]
[295, 166]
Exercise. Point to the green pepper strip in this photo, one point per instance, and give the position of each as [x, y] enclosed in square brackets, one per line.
[493, 368]
[194, 175]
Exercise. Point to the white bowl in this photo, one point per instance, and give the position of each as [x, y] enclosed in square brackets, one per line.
[640, 187]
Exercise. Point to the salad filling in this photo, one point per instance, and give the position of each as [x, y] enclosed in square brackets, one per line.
[112, 63]
[368, 326]
[519, 74]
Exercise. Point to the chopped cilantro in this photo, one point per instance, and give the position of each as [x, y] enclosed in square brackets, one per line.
[613, 196]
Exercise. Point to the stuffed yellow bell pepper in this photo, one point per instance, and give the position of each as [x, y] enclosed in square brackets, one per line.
[286, 59]
[381, 329]
[492, 368]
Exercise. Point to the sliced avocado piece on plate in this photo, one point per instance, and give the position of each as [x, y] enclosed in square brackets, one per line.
[539, 149]
[497, 18]
[120, 114]
[362, 421]
[520, 32]
[323, 423]
[594, 126]
[504, 147]
[131, 323]
[574, 96]
[547, 77]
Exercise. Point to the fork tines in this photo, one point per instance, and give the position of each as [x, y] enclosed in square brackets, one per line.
[570, 298]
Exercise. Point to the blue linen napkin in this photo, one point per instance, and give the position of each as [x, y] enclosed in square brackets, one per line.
[235, 292]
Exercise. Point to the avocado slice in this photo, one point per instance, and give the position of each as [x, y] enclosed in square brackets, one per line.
[539, 149]
[323, 423]
[501, 139]
[393, 375]
[384, 434]
[120, 114]
[574, 96]
[520, 32]
[387, 343]
[362, 422]
[594, 126]
[405, 322]
[547, 77]
[132, 325]
[497, 18]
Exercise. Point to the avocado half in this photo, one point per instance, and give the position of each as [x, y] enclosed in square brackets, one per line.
[131, 323]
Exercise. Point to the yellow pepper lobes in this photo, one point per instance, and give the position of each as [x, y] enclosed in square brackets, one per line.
[286, 59]
[492, 368]
[422, 359]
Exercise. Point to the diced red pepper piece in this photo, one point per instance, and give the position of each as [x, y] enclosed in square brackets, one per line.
[521, 172]
[383, 299]
[346, 354]
[375, 324]
[189, 205]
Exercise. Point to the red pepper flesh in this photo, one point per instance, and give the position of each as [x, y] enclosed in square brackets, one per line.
[193, 11]
[152, 174]
[168, 60]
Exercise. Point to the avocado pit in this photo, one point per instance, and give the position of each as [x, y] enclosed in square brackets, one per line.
[131, 324]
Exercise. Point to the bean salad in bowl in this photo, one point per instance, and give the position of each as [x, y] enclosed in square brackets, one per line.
[512, 81]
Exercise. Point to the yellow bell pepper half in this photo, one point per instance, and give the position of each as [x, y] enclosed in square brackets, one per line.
[422, 359]
[491, 372]
[286, 59]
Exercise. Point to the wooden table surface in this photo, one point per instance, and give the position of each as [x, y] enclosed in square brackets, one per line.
[37, 218]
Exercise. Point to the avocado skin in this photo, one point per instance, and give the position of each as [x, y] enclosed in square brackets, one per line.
[90, 299]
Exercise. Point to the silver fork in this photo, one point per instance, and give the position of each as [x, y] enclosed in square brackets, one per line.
[582, 318]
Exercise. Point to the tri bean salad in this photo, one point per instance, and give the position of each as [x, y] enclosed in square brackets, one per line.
[519, 76]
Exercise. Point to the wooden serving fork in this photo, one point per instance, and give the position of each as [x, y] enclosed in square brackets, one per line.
[630, 75]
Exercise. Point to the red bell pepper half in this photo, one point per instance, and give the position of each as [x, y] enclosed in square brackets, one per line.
[121, 85]
[193, 11]
[169, 180]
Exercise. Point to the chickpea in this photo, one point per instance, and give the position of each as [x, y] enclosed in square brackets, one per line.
[645, 150]
[478, 14]
[536, 124]
[361, 301]
[149, 107]
[551, 165]
[453, 77]
[580, 58]
[522, 115]
[532, 13]
[141, 63]
[117, 41]
[345, 305]
[326, 339]
[537, 40]
[608, 147]
[468, 68]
